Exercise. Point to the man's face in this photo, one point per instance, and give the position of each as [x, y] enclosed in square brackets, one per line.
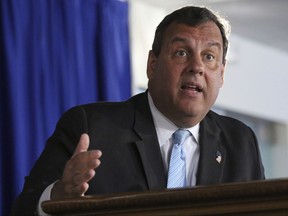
[184, 80]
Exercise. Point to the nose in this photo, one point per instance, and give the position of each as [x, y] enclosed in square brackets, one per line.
[196, 65]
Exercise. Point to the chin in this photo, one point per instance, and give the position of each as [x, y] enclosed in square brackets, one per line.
[192, 110]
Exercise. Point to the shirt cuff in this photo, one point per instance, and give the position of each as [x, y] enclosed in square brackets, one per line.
[44, 197]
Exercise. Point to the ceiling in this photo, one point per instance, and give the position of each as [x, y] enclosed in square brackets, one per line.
[265, 21]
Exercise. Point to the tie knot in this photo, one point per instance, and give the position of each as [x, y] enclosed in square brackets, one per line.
[179, 136]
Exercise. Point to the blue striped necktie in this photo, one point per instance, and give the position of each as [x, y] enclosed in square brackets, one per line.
[177, 166]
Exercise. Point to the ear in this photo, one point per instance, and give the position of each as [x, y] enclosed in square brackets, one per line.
[151, 64]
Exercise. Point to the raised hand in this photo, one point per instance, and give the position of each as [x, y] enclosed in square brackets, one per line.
[78, 171]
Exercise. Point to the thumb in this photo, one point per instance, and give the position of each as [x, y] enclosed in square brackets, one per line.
[82, 145]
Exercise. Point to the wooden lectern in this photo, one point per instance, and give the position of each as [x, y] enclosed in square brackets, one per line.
[269, 197]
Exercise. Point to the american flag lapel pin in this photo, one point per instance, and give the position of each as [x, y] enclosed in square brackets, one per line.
[218, 157]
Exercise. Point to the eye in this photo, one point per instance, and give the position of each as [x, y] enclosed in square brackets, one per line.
[181, 53]
[209, 57]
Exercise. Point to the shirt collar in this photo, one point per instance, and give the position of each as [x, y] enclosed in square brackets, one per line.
[164, 127]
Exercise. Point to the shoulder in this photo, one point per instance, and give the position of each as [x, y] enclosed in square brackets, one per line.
[105, 110]
[234, 134]
[105, 106]
[225, 120]
[97, 116]
[228, 124]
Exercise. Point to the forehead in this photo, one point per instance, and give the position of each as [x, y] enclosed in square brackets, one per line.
[205, 32]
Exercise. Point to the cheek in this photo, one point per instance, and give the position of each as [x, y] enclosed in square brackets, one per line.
[214, 66]
[217, 76]
[218, 83]
[214, 83]
[165, 73]
[221, 79]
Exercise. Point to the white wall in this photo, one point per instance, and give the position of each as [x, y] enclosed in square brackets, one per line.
[256, 80]
[144, 19]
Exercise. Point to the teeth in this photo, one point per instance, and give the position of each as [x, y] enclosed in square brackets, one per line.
[192, 87]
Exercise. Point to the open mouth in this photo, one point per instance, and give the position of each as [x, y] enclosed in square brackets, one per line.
[192, 87]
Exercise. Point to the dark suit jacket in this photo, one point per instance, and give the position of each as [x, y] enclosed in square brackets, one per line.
[131, 159]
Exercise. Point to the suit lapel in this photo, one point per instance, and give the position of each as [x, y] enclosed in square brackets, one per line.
[212, 153]
[148, 145]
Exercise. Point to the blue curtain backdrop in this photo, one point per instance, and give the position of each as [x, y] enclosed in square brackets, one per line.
[54, 54]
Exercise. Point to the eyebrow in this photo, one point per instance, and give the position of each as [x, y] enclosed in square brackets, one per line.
[212, 43]
[185, 40]
[179, 39]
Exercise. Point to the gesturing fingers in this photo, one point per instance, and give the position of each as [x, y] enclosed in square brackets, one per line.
[84, 161]
[80, 178]
[81, 168]
[80, 181]
[78, 171]
[82, 145]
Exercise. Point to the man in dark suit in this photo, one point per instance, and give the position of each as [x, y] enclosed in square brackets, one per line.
[125, 146]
